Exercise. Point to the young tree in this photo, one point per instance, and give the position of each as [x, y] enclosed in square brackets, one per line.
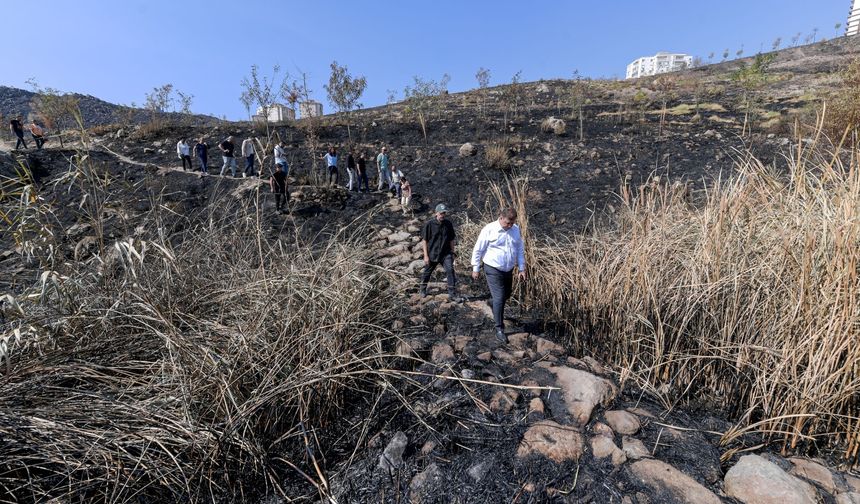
[392, 96]
[776, 43]
[262, 92]
[58, 111]
[580, 95]
[344, 91]
[710, 57]
[726, 54]
[751, 79]
[158, 103]
[483, 78]
[300, 92]
[836, 27]
[795, 38]
[423, 97]
[665, 86]
[512, 95]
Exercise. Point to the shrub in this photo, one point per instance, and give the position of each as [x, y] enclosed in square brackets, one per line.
[498, 155]
[843, 114]
[554, 125]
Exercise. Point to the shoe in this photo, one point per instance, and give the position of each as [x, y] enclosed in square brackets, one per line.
[500, 335]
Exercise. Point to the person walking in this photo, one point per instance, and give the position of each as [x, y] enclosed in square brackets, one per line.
[227, 147]
[38, 134]
[361, 168]
[394, 186]
[331, 163]
[350, 171]
[183, 150]
[438, 241]
[248, 154]
[382, 162]
[201, 150]
[18, 129]
[405, 195]
[281, 158]
[278, 182]
[499, 248]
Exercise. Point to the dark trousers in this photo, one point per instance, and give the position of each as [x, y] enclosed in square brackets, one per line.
[362, 179]
[332, 174]
[20, 142]
[282, 199]
[249, 165]
[500, 283]
[448, 263]
[40, 141]
[186, 159]
[204, 164]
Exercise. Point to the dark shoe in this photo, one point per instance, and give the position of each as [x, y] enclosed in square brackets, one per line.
[500, 335]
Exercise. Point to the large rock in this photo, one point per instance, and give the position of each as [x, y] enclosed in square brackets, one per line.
[755, 480]
[663, 478]
[622, 422]
[559, 443]
[815, 472]
[582, 391]
[392, 457]
[604, 446]
[468, 149]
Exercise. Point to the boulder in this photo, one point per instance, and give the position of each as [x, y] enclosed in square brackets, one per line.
[603, 446]
[423, 485]
[559, 443]
[622, 422]
[545, 346]
[813, 471]
[468, 149]
[756, 480]
[663, 478]
[582, 391]
[442, 352]
[392, 457]
[634, 449]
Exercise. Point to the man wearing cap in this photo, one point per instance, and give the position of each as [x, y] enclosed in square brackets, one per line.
[438, 241]
[499, 248]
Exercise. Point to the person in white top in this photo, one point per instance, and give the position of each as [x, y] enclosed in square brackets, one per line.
[281, 157]
[331, 164]
[500, 248]
[183, 150]
[248, 154]
[396, 175]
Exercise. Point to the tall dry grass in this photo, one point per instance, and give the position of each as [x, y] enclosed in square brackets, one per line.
[749, 299]
[191, 366]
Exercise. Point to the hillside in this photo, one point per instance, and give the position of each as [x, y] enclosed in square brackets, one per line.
[178, 339]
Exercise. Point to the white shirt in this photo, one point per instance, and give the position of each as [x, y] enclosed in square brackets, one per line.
[499, 248]
[395, 175]
[331, 160]
[247, 147]
[280, 155]
[183, 149]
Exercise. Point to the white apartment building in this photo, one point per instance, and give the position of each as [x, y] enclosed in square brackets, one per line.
[277, 113]
[661, 62]
[310, 108]
[852, 27]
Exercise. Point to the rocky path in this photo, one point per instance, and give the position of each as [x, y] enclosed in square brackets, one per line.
[526, 422]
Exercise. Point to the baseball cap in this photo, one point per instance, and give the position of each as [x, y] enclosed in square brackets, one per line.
[441, 208]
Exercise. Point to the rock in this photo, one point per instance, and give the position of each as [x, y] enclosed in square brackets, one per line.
[603, 446]
[484, 356]
[467, 374]
[582, 391]
[634, 448]
[756, 480]
[405, 348]
[392, 457]
[423, 484]
[460, 342]
[519, 340]
[467, 149]
[479, 470]
[119, 133]
[545, 346]
[415, 265]
[848, 498]
[663, 478]
[622, 422]
[536, 407]
[148, 150]
[442, 352]
[553, 124]
[813, 471]
[158, 144]
[428, 447]
[853, 483]
[559, 443]
[503, 401]
[397, 325]
[418, 320]
[601, 429]
[593, 365]
[398, 237]
[531, 392]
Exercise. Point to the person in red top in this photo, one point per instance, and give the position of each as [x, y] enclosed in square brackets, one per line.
[38, 134]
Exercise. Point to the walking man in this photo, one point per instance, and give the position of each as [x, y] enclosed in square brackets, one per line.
[438, 241]
[281, 157]
[382, 162]
[38, 134]
[350, 170]
[278, 182]
[227, 147]
[361, 169]
[202, 152]
[248, 154]
[18, 129]
[183, 150]
[500, 248]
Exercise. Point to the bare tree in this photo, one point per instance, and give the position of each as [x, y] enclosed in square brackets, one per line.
[512, 96]
[300, 92]
[56, 110]
[185, 101]
[776, 43]
[344, 91]
[423, 97]
[710, 57]
[262, 92]
[795, 38]
[725, 54]
[483, 78]
[580, 95]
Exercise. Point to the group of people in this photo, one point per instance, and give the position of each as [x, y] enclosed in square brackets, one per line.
[389, 177]
[16, 126]
[227, 147]
[498, 250]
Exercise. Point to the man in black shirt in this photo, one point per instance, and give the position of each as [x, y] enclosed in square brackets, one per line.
[18, 129]
[438, 241]
[227, 147]
[278, 181]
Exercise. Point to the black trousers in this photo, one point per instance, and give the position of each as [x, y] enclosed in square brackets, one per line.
[20, 142]
[282, 199]
[500, 284]
[186, 159]
[447, 262]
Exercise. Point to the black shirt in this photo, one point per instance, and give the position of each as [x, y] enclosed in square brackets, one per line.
[361, 166]
[438, 236]
[280, 181]
[350, 161]
[16, 127]
[202, 150]
[227, 148]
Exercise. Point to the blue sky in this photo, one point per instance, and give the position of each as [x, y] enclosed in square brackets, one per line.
[119, 51]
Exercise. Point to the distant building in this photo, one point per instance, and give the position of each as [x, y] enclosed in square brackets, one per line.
[852, 27]
[661, 62]
[310, 108]
[277, 113]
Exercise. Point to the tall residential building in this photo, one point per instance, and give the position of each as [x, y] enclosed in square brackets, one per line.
[852, 27]
[277, 113]
[661, 62]
[310, 108]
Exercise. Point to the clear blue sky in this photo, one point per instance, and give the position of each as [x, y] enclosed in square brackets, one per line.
[119, 51]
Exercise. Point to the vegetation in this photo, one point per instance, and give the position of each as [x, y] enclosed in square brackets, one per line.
[263, 92]
[751, 79]
[579, 96]
[56, 110]
[843, 116]
[424, 98]
[344, 91]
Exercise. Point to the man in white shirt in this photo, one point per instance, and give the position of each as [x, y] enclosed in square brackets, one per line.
[183, 150]
[499, 248]
[248, 154]
[281, 157]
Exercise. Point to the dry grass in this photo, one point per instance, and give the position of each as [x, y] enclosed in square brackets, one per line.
[498, 155]
[750, 299]
[553, 125]
[187, 366]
